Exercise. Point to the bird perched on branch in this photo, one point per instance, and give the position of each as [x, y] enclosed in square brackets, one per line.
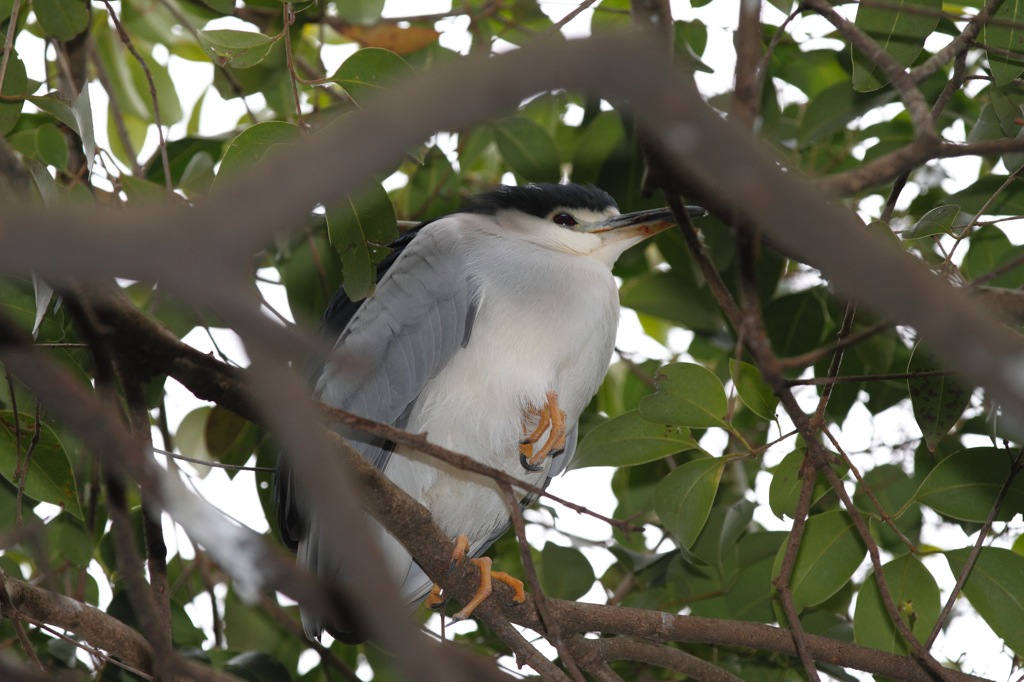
[490, 330]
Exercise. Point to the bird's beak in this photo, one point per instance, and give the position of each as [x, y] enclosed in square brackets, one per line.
[635, 227]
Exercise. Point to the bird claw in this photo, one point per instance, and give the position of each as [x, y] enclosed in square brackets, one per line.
[487, 576]
[526, 463]
[434, 600]
[551, 419]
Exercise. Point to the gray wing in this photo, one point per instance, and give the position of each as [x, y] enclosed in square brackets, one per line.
[420, 315]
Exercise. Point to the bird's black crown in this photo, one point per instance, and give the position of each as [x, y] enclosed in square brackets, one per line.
[539, 199]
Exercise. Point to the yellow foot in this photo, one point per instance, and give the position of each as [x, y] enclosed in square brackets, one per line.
[487, 578]
[551, 420]
[434, 600]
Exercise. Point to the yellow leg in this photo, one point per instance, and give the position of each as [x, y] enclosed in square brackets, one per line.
[552, 420]
[434, 600]
[487, 576]
[482, 592]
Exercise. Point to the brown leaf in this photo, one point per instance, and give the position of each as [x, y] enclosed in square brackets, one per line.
[395, 38]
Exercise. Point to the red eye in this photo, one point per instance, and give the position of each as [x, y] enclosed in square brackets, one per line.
[564, 219]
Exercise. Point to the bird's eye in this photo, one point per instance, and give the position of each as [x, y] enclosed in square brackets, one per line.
[564, 219]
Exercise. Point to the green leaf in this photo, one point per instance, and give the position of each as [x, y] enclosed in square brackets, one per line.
[688, 395]
[750, 597]
[683, 500]
[433, 189]
[528, 149]
[988, 194]
[166, 91]
[252, 144]
[115, 59]
[754, 391]
[964, 485]
[258, 667]
[370, 71]
[665, 295]
[564, 572]
[180, 155]
[362, 12]
[832, 110]
[355, 224]
[899, 30]
[56, 107]
[43, 294]
[61, 19]
[830, 551]
[135, 130]
[311, 275]
[628, 440]
[784, 491]
[69, 541]
[191, 437]
[239, 49]
[221, 6]
[15, 86]
[994, 590]
[795, 323]
[986, 249]
[938, 400]
[138, 189]
[183, 630]
[916, 596]
[892, 489]
[18, 302]
[81, 106]
[230, 439]
[50, 477]
[988, 126]
[596, 145]
[1006, 35]
[44, 143]
[939, 220]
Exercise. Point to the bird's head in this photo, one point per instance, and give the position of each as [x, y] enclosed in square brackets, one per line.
[576, 219]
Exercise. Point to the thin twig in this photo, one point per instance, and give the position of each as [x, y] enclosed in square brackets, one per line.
[8, 611]
[884, 515]
[208, 463]
[89, 649]
[961, 580]
[781, 582]
[811, 357]
[837, 361]
[552, 631]
[17, 441]
[579, 9]
[288, 18]
[883, 587]
[858, 378]
[420, 443]
[127, 41]
[115, 114]
[12, 22]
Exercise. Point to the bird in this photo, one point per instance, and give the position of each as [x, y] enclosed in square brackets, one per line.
[490, 329]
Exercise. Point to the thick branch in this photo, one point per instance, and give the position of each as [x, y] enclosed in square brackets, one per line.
[94, 626]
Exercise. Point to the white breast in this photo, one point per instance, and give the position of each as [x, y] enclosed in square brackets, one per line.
[545, 321]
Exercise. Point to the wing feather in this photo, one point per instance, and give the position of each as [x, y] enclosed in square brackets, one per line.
[389, 346]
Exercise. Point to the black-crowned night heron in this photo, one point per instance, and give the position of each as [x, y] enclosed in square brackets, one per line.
[490, 330]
